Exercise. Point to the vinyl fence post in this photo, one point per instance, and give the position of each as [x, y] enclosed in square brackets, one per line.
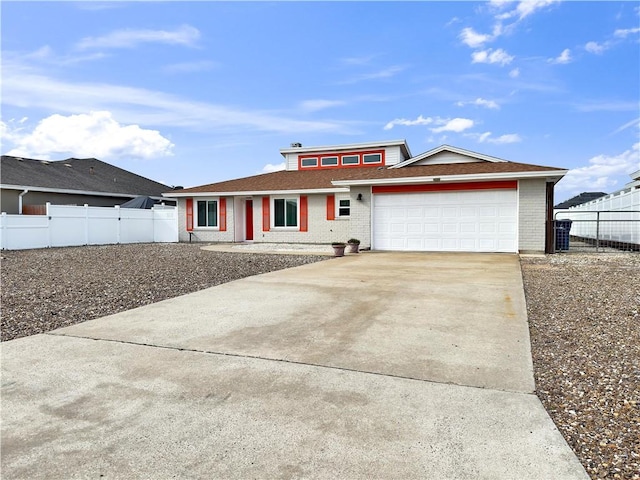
[119, 225]
[49, 241]
[598, 231]
[86, 224]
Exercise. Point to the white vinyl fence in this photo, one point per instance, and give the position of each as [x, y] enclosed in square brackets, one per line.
[65, 226]
[612, 218]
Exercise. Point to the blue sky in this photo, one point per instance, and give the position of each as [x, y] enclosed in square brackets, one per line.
[189, 93]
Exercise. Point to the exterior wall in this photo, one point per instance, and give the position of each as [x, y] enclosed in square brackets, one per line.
[360, 223]
[393, 155]
[10, 200]
[446, 157]
[320, 229]
[531, 215]
[206, 234]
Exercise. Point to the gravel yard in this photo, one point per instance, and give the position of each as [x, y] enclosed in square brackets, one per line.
[584, 316]
[51, 288]
[584, 320]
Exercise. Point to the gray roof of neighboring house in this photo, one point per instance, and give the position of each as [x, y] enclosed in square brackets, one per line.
[81, 174]
[584, 197]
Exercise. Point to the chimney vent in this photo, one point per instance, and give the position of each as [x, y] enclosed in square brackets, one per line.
[296, 145]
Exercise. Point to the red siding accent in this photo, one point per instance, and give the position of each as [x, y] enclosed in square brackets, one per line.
[266, 215]
[223, 214]
[249, 219]
[304, 214]
[439, 187]
[331, 207]
[189, 214]
[360, 163]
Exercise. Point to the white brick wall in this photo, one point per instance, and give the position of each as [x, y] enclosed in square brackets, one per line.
[531, 215]
[320, 229]
[205, 234]
[360, 224]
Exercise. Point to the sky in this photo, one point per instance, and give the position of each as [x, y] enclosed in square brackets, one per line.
[190, 93]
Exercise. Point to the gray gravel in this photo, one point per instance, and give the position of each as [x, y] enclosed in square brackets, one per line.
[584, 317]
[51, 288]
[584, 320]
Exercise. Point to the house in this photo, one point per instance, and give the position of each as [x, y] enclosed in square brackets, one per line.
[26, 184]
[446, 199]
[584, 197]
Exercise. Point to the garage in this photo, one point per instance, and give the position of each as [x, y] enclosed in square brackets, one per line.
[480, 218]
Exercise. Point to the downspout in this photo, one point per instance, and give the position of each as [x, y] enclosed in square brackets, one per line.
[26, 190]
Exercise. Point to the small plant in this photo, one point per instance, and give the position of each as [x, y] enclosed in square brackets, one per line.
[353, 241]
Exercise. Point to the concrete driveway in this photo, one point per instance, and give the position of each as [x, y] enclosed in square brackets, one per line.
[378, 365]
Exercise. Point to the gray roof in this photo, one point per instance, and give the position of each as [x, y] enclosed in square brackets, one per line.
[81, 174]
[584, 197]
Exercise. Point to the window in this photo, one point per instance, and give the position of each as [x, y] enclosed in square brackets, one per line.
[285, 212]
[329, 161]
[309, 162]
[344, 208]
[372, 158]
[350, 159]
[207, 213]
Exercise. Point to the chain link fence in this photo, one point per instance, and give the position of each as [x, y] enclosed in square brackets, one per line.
[597, 231]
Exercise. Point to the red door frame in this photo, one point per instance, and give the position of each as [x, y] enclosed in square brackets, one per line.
[248, 215]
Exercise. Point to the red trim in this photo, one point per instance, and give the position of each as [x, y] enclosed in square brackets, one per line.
[304, 214]
[189, 214]
[439, 187]
[249, 219]
[331, 207]
[223, 214]
[266, 216]
[360, 163]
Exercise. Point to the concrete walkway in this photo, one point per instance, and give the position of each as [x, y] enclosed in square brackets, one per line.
[369, 366]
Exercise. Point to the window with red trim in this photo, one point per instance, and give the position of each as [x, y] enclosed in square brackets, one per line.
[371, 158]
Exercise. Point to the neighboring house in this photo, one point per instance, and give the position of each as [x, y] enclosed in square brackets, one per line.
[579, 199]
[27, 185]
[446, 199]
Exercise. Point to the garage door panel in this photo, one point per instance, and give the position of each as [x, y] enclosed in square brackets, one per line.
[482, 221]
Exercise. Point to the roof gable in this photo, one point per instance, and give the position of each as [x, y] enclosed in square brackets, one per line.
[446, 154]
[75, 174]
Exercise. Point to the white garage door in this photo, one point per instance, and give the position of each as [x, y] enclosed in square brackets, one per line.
[459, 221]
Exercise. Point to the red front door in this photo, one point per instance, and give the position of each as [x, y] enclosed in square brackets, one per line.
[249, 219]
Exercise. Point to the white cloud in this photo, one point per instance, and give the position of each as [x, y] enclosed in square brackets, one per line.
[379, 75]
[564, 57]
[269, 167]
[624, 32]
[184, 35]
[474, 39]
[24, 89]
[315, 105]
[454, 125]
[595, 47]
[488, 138]
[498, 56]
[515, 73]
[604, 172]
[523, 9]
[96, 134]
[409, 123]
[481, 102]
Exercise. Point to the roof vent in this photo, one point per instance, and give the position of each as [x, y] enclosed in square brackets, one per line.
[296, 145]
[68, 165]
[44, 162]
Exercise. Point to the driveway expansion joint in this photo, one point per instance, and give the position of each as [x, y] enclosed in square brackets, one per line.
[284, 360]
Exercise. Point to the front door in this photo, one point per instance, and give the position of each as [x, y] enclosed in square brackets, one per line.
[249, 219]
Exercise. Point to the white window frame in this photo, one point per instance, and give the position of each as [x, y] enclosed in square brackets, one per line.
[338, 200]
[196, 213]
[273, 199]
[365, 155]
[302, 160]
[357, 157]
[322, 159]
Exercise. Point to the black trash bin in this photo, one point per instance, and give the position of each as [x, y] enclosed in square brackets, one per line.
[563, 227]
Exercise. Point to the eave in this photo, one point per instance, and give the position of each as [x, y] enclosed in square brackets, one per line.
[550, 175]
[249, 193]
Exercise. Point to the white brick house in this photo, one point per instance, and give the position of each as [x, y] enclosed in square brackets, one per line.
[446, 199]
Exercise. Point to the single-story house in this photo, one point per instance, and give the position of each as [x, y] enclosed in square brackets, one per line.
[446, 199]
[27, 184]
